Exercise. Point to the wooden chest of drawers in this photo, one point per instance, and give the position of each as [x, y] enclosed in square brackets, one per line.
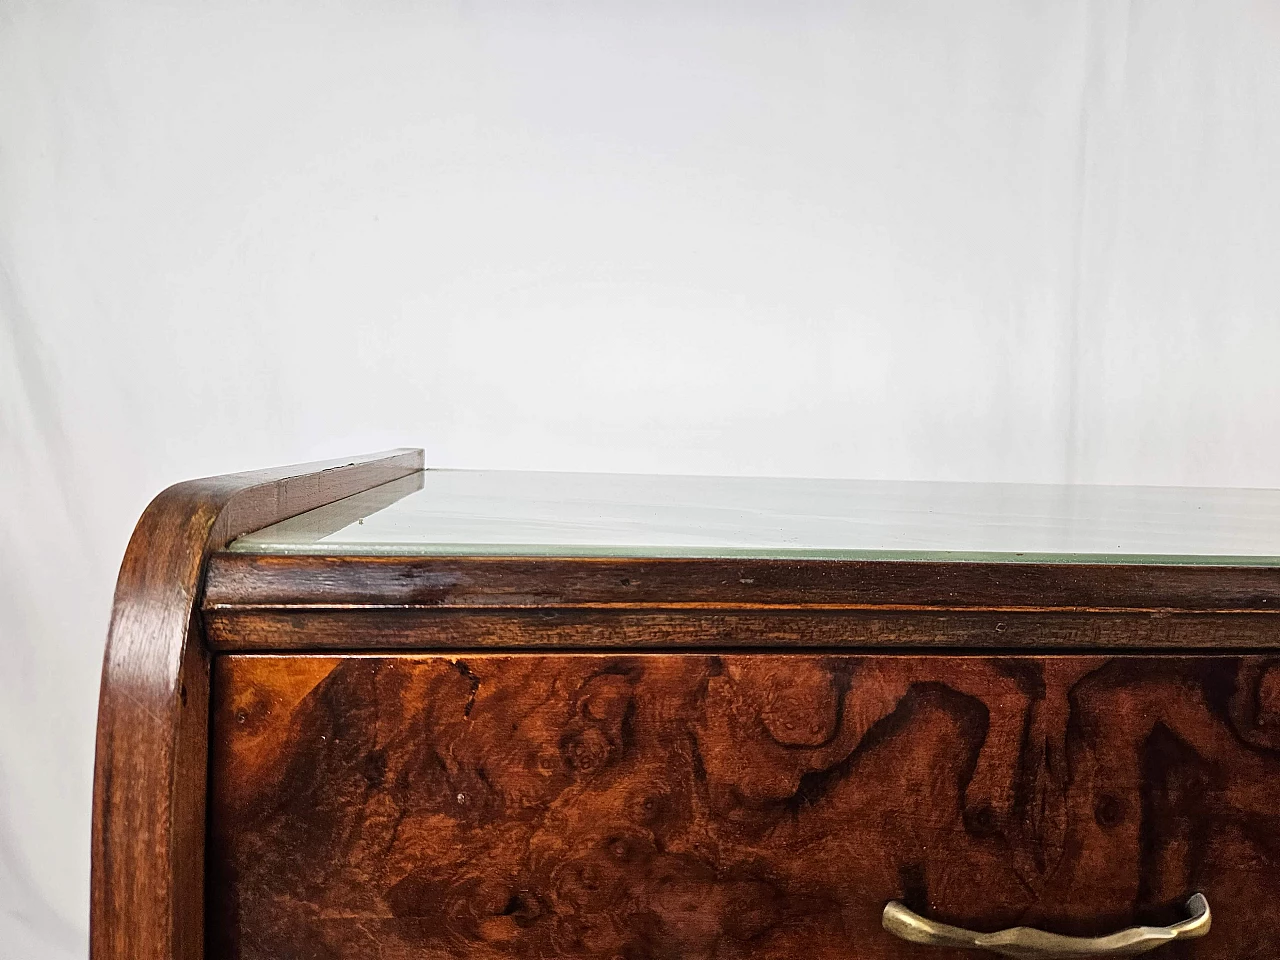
[504, 716]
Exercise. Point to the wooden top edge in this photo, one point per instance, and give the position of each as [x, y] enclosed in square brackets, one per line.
[254, 499]
[237, 580]
[248, 477]
[265, 497]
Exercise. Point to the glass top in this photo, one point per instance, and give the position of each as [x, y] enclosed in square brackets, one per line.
[503, 513]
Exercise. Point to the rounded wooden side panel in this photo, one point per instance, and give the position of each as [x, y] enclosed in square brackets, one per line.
[151, 758]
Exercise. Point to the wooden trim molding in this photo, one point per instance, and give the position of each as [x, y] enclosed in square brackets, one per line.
[410, 629]
[147, 887]
[484, 583]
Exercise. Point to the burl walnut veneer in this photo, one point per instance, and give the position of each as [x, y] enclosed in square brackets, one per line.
[479, 715]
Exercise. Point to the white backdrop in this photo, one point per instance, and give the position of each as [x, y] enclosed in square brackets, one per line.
[1016, 240]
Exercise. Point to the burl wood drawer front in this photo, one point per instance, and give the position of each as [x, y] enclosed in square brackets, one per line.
[756, 805]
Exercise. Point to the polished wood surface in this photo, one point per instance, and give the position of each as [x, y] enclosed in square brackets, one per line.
[392, 627]
[267, 602]
[151, 757]
[488, 583]
[762, 805]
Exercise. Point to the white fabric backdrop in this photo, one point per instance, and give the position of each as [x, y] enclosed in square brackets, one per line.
[993, 240]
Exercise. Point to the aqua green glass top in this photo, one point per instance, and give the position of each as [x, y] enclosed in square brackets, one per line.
[498, 513]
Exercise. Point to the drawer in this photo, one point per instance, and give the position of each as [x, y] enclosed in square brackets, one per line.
[762, 805]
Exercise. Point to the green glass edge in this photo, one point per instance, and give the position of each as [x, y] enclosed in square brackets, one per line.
[739, 553]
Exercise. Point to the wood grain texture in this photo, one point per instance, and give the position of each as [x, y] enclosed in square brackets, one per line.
[147, 870]
[690, 806]
[237, 579]
[421, 628]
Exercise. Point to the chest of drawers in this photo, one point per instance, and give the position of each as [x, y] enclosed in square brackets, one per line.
[359, 710]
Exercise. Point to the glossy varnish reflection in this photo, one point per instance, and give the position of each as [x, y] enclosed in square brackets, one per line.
[755, 805]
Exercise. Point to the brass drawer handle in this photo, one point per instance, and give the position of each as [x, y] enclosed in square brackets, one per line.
[1031, 944]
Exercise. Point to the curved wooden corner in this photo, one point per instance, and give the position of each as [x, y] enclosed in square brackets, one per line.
[147, 900]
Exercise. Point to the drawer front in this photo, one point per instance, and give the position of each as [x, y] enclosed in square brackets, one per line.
[753, 805]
